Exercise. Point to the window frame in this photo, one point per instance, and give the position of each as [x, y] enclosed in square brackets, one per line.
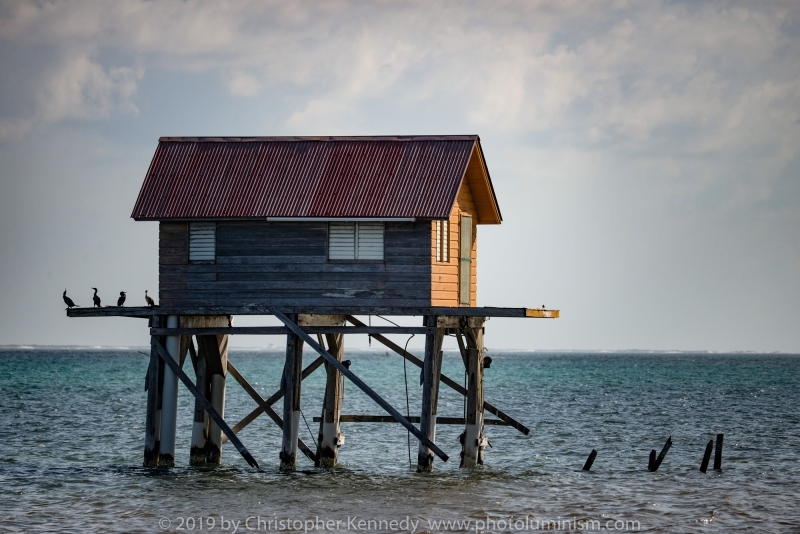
[356, 242]
[196, 224]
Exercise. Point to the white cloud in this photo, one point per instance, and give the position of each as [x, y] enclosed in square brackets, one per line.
[241, 83]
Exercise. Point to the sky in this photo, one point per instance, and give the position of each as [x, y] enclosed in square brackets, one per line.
[645, 155]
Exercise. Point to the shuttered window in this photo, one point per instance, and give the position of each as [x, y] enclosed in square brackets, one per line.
[202, 242]
[443, 241]
[355, 241]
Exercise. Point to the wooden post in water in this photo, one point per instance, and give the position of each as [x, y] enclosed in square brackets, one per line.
[474, 437]
[655, 464]
[718, 452]
[290, 383]
[652, 460]
[590, 460]
[155, 382]
[707, 456]
[330, 437]
[431, 371]
[169, 403]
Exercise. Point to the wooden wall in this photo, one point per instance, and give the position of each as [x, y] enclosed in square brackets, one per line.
[445, 276]
[287, 263]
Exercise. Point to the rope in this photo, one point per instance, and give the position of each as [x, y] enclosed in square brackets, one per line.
[405, 378]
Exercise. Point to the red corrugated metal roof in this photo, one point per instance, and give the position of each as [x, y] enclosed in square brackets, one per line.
[384, 177]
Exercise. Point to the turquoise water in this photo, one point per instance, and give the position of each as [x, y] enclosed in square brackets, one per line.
[73, 431]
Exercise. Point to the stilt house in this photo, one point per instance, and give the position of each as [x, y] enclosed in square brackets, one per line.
[314, 231]
[361, 221]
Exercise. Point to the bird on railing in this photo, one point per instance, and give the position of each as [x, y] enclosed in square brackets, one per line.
[68, 301]
[121, 299]
[149, 299]
[96, 299]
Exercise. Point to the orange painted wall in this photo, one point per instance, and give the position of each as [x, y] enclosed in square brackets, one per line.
[445, 276]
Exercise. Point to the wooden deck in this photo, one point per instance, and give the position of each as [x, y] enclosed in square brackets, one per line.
[147, 312]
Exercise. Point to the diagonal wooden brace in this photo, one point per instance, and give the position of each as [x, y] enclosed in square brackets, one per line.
[249, 418]
[358, 382]
[447, 380]
[267, 408]
[159, 348]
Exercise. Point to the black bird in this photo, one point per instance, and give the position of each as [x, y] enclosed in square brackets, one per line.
[121, 299]
[96, 299]
[68, 301]
[149, 299]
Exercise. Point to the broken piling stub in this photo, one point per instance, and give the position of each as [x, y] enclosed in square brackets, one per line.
[655, 463]
[590, 460]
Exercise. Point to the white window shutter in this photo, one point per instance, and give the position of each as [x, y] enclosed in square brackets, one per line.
[370, 241]
[342, 241]
[202, 241]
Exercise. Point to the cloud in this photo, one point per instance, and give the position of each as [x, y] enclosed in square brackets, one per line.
[242, 83]
[680, 78]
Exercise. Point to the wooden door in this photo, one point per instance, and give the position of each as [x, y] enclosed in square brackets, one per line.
[465, 260]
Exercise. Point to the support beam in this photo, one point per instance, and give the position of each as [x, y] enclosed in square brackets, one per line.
[275, 397]
[474, 439]
[153, 385]
[282, 330]
[359, 418]
[445, 379]
[213, 414]
[290, 384]
[431, 371]
[358, 382]
[250, 390]
[169, 403]
[330, 437]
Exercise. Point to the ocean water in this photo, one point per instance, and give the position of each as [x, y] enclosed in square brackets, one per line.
[72, 425]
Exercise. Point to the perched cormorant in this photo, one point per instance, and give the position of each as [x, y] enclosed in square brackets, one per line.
[96, 299]
[149, 299]
[121, 299]
[67, 300]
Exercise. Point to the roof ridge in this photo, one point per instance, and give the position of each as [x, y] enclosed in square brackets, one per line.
[251, 139]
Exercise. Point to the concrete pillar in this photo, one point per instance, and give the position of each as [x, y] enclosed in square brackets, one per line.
[197, 453]
[474, 440]
[431, 372]
[290, 383]
[169, 403]
[211, 370]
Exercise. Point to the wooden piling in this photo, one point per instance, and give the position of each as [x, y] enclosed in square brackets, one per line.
[657, 462]
[290, 383]
[169, 403]
[474, 440]
[155, 373]
[706, 456]
[431, 371]
[718, 452]
[590, 460]
[652, 460]
[330, 437]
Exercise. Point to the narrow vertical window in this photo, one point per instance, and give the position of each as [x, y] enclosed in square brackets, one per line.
[202, 242]
[443, 241]
[355, 241]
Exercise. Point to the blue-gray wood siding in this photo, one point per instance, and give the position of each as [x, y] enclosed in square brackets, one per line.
[287, 263]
